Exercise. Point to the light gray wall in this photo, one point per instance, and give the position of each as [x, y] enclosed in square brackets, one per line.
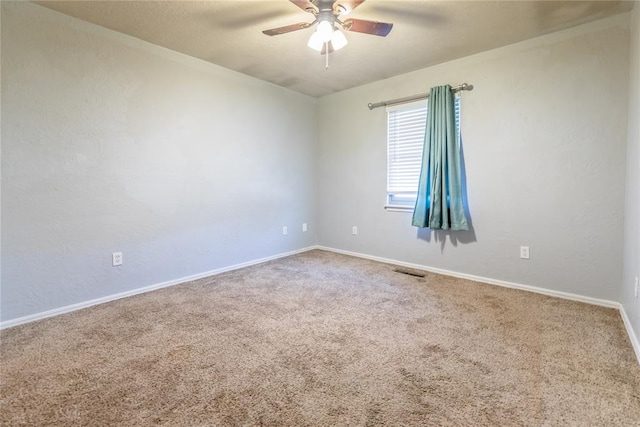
[112, 144]
[632, 211]
[544, 142]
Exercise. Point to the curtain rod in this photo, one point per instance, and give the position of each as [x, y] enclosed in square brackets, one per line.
[463, 86]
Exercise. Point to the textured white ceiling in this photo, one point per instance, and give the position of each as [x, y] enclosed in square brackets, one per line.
[425, 33]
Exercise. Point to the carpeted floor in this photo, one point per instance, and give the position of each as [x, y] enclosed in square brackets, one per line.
[321, 339]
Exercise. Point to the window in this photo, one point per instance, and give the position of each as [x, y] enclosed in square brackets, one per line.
[405, 139]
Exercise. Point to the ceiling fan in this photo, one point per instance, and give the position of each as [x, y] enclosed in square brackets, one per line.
[327, 13]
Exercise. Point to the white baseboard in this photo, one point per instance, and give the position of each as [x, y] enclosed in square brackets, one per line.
[632, 334]
[85, 304]
[558, 294]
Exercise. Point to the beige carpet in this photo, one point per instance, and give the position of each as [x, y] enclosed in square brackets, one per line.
[323, 339]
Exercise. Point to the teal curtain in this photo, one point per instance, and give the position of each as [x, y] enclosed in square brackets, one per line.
[439, 202]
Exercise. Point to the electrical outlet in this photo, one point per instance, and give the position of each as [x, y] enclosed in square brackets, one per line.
[285, 231]
[304, 227]
[354, 230]
[116, 258]
[524, 252]
[636, 288]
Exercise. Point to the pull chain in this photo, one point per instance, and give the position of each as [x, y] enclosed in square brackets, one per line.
[326, 55]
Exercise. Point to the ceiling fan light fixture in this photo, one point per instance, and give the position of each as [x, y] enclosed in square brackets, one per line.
[338, 40]
[315, 42]
[325, 30]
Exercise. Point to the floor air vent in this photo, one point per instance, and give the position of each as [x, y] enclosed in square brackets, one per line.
[409, 272]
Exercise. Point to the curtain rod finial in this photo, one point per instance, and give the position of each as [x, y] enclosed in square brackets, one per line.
[370, 105]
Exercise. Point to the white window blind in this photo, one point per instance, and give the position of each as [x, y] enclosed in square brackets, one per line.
[405, 136]
[405, 139]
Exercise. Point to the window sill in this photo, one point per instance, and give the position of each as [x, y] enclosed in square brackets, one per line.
[392, 208]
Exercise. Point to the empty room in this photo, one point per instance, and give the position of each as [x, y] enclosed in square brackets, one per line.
[320, 213]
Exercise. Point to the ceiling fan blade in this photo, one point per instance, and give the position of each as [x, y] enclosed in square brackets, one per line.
[367, 27]
[287, 29]
[345, 6]
[305, 5]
